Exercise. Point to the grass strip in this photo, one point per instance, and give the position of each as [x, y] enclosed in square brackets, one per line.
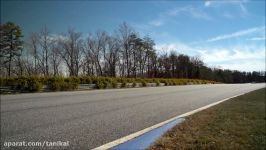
[238, 123]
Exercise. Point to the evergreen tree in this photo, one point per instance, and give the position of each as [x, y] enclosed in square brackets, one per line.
[10, 43]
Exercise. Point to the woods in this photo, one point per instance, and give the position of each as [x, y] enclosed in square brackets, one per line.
[121, 54]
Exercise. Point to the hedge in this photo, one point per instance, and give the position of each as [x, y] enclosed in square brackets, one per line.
[35, 83]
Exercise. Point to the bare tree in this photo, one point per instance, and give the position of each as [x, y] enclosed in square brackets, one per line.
[55, 58]
[71, 51]
[96, 51]
[111, 56]
[89, 61]
[34, 47]
[125, 32]
[44, 41]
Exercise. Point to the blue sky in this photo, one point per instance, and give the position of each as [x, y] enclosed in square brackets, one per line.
[226, 34]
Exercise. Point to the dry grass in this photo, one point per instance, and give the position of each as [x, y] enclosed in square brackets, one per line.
[235, 124]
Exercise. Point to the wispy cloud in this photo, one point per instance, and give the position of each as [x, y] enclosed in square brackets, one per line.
[179, 47]
[227, 15]
[237, 34]
[214, 3]
[219, 55]
[245, 65]
[55, 37]
[243, 8]
[191, 11]
[239, 3]
[168, 15]
[257, 38]
[240, 58]
[235, 57]
[207, 3]
[158, 22]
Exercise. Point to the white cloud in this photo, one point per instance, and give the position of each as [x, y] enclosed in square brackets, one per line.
[252, 65]
[54, 37]
[214, 3]
[168, 16]
[147, 27]
[223, 55]
[257, 39]
[179, 47]
[141, 26]
[191, 11]
[156, 23]
[239, 3]
[243, 8]
[244, 58]
[227, 15]
[207, 3]
[237, 34]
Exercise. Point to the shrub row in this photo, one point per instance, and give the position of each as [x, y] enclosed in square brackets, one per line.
[34, 83]
[62, 84]
[31, 84]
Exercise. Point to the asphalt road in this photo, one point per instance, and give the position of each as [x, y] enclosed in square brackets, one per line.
[88, 119]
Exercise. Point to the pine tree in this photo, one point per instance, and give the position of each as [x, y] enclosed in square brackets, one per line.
[10, 43]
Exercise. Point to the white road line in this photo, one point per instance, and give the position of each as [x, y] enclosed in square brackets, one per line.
[136, 134]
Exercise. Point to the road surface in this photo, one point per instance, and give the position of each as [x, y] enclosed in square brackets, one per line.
[88, 119]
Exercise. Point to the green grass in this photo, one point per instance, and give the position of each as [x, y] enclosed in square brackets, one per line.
[235, 124]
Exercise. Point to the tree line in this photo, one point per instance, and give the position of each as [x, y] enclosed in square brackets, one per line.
[121, 54]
